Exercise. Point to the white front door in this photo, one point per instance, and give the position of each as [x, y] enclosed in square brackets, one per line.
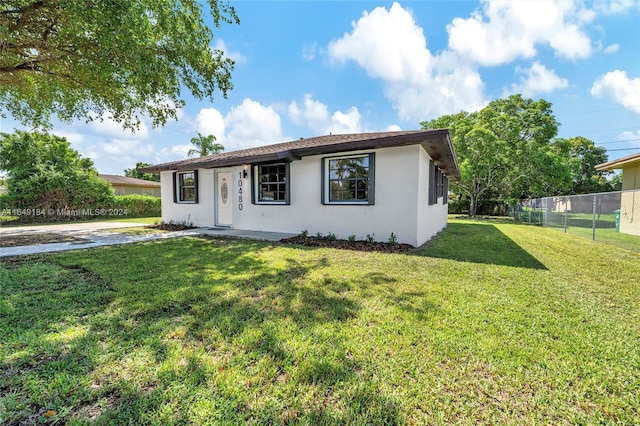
[224, 199]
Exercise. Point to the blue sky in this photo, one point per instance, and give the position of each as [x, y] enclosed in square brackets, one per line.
[306, 68]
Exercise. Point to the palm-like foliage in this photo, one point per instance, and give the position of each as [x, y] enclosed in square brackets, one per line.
[205, 145]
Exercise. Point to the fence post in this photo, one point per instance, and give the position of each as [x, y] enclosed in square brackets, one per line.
[593, 226]
[565, 214]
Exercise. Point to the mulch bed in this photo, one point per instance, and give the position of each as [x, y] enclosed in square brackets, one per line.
[170, 226]
[348, 245]
[29, 240]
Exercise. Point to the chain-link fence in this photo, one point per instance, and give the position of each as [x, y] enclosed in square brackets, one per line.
[610, 217]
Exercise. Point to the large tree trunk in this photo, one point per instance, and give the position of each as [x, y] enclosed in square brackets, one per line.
[473, 205]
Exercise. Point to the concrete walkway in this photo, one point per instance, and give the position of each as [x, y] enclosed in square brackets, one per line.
[97, 234]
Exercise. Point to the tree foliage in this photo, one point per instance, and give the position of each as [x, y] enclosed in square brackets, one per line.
[585, 155]
[205, 145]
[123, 59]
[44, 173]
[508, 150]
[135, 173]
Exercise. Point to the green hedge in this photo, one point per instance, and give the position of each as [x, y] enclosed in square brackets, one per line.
[137, 205]
[117, 207]
[5, 202]
[485, 207]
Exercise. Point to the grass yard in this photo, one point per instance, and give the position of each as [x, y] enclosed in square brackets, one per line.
[492, 323]
[609, 236]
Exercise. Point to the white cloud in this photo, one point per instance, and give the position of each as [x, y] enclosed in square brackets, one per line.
[309, 51]
[310, 113]
[386, 43]
[107, 127]
[612, 48]
[537, 79]
[393, 128]
[209, 121]
[345, 122]
[244, 126]
[390, 46]
[315, 115]
[502, 31]
[620, 88]
[610, 7]
[127, 147]
[629, 136]
[252, 124]
[173, 153]
[236, 56]
[74, 138]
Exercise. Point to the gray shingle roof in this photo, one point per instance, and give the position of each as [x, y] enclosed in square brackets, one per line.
[437, 143]
[124, 180]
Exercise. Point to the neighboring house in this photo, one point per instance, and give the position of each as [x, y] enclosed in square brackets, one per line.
[354, 184]
[630, 200]
[123, 185]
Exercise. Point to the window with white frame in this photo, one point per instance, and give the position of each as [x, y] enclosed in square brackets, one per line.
[348, 179]
[271, 183]
[185, 187]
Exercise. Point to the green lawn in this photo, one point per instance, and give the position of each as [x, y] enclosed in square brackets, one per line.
[493, 323]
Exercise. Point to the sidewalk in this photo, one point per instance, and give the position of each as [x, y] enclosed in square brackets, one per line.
[96, 234]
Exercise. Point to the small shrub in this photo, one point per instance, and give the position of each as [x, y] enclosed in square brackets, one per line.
[371, 238]
[331, 236]
[318, 235]
[304, 233]
[352, 239]
[393, 240]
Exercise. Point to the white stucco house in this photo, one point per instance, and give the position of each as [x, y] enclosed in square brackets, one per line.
[352, 184]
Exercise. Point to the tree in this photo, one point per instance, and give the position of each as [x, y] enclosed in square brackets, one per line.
[616, 181]
[205, 145]
[506, 149]
[122, 59]
[134, 173]
[585, 155]
[44, 173]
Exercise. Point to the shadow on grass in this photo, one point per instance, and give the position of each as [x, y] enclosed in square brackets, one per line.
[112, 335]
[478, 243]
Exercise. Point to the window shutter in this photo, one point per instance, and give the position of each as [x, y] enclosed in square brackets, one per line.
[175, 187]
[195, 190]
[372, 178]
[288, 183]
[323, 186]
[254, 186]
[432, 183]
[445, 189]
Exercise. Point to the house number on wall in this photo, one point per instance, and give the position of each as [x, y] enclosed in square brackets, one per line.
[240, 191]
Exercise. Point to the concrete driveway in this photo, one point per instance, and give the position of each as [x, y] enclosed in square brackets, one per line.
[97, 234]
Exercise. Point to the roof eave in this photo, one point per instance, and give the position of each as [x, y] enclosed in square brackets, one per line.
[437, 144]
[618, 163]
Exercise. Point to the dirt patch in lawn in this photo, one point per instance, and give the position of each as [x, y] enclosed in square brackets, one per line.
[348, 245]
[34, 239]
